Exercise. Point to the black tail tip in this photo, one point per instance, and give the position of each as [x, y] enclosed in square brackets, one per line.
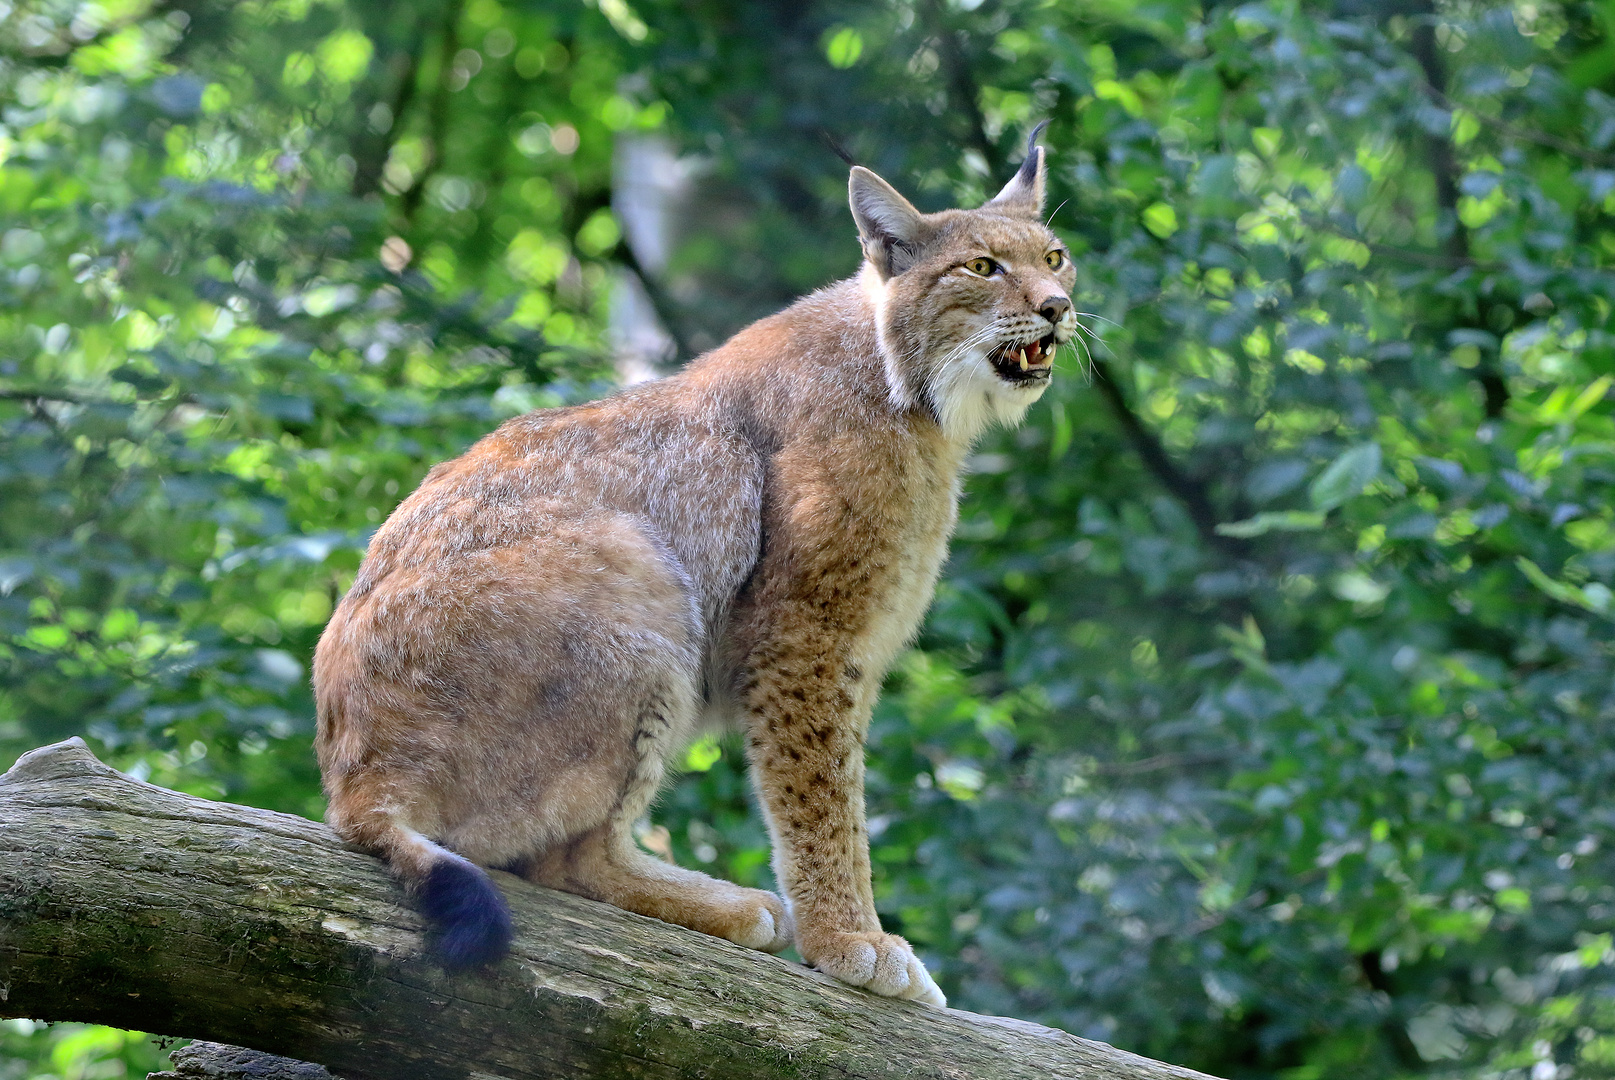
[470, 919]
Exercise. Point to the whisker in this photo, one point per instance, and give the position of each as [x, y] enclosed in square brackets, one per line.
[1095, 315]
[1080, 348]
[974, 339]
[1088, 334]
[1092, 333]
[1080, 330]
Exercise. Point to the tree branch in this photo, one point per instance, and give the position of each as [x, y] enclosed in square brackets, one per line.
[437, 111]
[1188, 491]
[666, 309]
[126, 904]
[1541, 138]
[72, 397]
[1430, 260]
[1427, 259]
[1444, 166]
[1443, 161]
[374, 147]
[962, 90]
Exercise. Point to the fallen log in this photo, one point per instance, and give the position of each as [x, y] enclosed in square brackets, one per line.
[127, 904]
[216, 1061]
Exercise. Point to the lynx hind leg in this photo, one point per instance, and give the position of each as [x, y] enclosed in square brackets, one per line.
[605, 864]
[487, 710]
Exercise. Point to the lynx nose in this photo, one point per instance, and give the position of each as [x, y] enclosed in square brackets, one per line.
[1054, 308]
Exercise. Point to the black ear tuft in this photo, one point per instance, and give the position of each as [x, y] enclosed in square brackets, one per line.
[1028, 170]
[836, 146]
[1023, 195]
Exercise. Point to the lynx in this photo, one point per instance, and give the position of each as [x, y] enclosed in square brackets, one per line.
[749, 542]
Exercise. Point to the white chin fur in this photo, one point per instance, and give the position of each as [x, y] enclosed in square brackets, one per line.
[970, 397]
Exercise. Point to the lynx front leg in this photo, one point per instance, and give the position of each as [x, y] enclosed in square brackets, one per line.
[806, 744]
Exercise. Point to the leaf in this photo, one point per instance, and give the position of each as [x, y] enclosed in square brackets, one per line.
[1516, 901]
[703, 754]
[844, 48]
[1161, 220]
[1345, 477]
[1273, 521]
[1359, 588]
[1589, 397]
[1594, 597]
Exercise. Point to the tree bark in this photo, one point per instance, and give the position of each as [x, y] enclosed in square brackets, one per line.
[126, 904]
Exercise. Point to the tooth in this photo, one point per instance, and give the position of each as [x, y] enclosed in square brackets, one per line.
[1023, 360]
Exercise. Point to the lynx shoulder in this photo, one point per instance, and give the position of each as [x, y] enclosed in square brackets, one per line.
[749, 542]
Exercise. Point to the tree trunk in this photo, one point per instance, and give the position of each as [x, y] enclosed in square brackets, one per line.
[127, 904]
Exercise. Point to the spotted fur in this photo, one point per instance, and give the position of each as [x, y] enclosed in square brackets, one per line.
[750, 542]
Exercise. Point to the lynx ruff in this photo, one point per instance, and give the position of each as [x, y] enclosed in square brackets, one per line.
[750, 542]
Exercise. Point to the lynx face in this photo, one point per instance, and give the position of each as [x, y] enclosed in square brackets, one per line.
[971, 304]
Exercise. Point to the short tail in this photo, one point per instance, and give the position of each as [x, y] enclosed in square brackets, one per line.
[470, 921]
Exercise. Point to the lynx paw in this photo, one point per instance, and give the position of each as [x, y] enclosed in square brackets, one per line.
[884, 963]
[757, 920]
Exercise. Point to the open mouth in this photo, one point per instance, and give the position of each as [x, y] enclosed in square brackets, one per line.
[1024, 361]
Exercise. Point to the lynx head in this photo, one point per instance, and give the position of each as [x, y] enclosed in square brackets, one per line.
[970, 304]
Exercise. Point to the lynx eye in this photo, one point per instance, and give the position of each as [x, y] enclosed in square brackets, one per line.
[984, 267]
[1055, 259]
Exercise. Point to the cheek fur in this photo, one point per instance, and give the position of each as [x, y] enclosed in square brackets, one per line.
[956, 308]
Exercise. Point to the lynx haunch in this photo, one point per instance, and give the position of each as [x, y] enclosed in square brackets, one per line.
[748, 543]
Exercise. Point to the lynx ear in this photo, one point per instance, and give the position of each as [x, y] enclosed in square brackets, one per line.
[1023, 195]
[889, 226]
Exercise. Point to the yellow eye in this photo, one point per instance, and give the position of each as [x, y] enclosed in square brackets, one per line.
[984, 267]
[1055, 259]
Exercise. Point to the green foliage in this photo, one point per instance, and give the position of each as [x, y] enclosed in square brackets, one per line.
[1263, 722]
[30, 1051]
[222, 365]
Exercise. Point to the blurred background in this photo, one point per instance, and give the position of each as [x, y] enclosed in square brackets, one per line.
[1263, 720]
